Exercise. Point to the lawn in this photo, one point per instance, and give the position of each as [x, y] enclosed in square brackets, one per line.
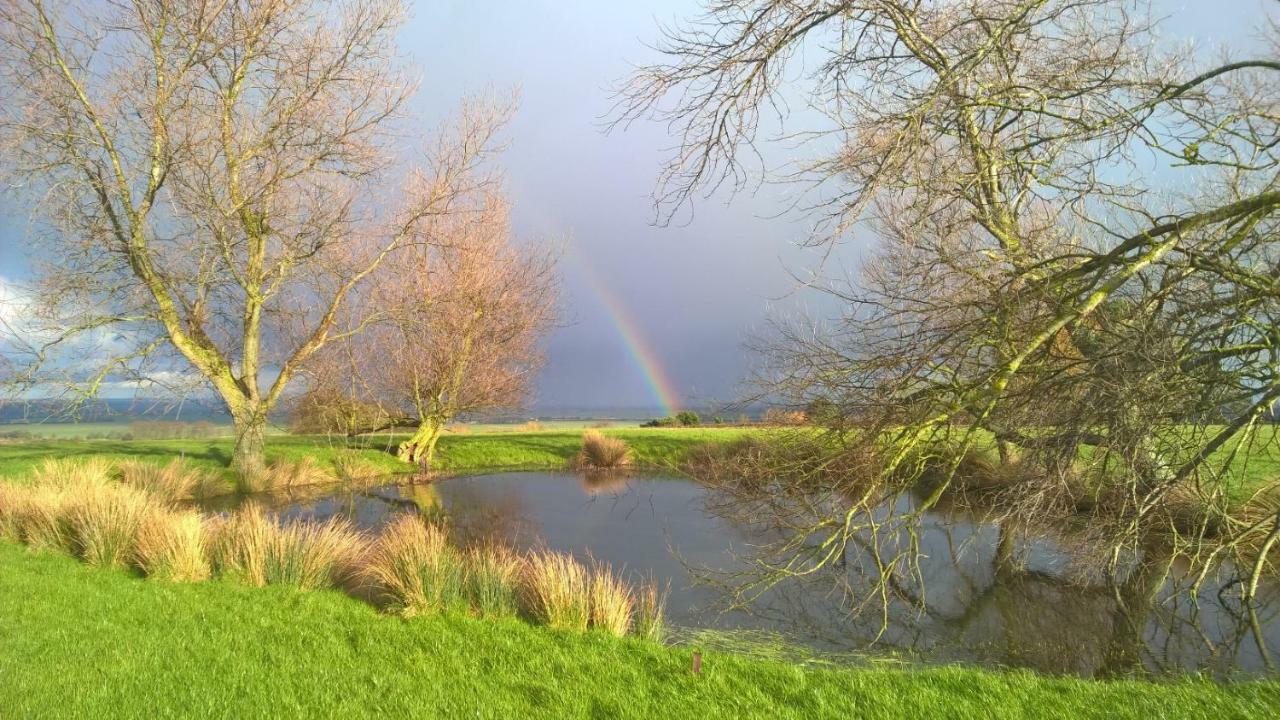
[77, 641]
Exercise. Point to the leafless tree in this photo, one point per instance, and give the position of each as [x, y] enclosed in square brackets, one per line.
[1075, 257]
[213, 179]
[463, 316]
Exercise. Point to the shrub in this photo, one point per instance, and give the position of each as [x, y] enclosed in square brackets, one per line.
[171, 545]
[104, 522]
[688, 418]
[602, 451]
[650, 604]
[612, 602]
[415, 570]
[493, 574]
[556, 591]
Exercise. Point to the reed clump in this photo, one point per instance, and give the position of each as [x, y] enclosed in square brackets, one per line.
[64, 473]
[650, 606]
[283, 474]
[492, 580]
[171, 545]
[556, 591]
[356, 472]
[104, 522]
[602, 451]
[241, 544]
[415, 570]
[175, 480]
[612, 601]
[128, 516]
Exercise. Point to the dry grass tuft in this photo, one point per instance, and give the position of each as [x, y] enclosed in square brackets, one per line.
[64, 473]
[556, 591]
[240, 545]
[171, 546]
[530, 426]
[612, 601]
[650, 604]
[492, 580]
[13, 502]
[312, 555]
[38, 517]
[104, 522]
[175, 480]
[283, 475]
[415, 570]
[357, 472]
[256, 550]
[602, 451]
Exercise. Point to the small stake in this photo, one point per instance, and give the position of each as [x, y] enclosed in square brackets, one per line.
[697, 662]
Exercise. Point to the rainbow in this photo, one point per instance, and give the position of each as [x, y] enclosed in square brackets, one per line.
[641, 352]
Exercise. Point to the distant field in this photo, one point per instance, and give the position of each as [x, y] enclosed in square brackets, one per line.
[489, 446]
[457, 452]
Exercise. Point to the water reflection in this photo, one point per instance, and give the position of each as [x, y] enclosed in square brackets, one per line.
[982, 593]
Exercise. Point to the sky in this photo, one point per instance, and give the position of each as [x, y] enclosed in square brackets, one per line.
[654, 314]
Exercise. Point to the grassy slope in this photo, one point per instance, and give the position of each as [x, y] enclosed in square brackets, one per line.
[77, 641]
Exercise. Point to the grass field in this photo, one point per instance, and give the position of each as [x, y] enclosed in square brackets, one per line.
[654, 447]
[77, 641]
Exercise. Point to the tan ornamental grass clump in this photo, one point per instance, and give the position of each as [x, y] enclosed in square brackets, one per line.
[556, 591]
[493, 580]
[171, 545]
[104, 522]
[64, 472]
[253, 548]
[414, 569]
[175, 480]
[39, 518]
[650, 605]
[612, 601]
[13, 500]
[241, 543]
[314, 555]
[284, 474]
[357, 472]
[602, 451]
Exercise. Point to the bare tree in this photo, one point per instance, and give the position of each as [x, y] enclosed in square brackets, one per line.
[214, 180]
[1076, 251]
[463, 316]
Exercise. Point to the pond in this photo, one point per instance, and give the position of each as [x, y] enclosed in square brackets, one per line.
[1036, 613]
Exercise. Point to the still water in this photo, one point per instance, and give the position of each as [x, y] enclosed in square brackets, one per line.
[1037, 613]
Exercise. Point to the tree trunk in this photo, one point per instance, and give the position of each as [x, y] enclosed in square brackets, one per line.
[421, 448]
[248, 456]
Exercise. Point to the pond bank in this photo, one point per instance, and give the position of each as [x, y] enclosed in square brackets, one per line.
[126, 647]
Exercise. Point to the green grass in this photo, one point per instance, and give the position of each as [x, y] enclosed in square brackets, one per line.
[543, 449]
[77, 641]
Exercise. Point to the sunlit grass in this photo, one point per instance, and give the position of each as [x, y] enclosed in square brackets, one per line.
[87, 642]
[171, 545]
[414, 568]
[557, 591]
